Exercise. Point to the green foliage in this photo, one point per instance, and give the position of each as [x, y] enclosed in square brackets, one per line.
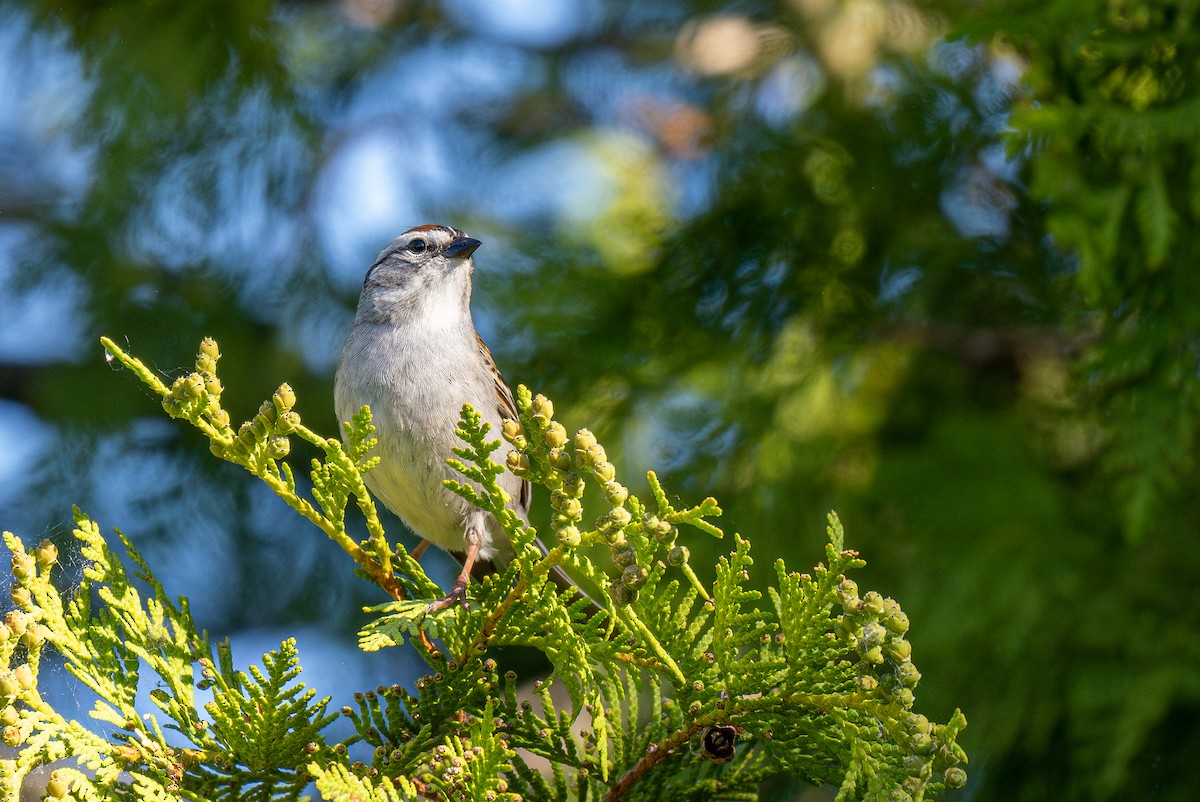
[681, 692]
[260, 731]
[1005, 416]
[1109, 114]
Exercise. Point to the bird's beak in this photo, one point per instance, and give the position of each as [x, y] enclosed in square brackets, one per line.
[462, 247]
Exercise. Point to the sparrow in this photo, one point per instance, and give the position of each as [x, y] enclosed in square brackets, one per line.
[413, 355]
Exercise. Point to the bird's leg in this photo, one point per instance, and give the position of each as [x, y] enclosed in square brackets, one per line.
[419, 549]
[458, 595]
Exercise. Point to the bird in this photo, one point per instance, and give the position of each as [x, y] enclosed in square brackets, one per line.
[414, 356]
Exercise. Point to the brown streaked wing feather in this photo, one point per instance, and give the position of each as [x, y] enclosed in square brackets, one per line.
[507, 408]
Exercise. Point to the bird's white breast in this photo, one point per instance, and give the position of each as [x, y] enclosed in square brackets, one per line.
[416, 379]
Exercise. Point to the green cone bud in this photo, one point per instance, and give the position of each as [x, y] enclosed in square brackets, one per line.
[25, 677]
[604, 472]
[57, 788]
[573, 485]
[619, 516]
[206, 365]
[677, 556]
[9, 716]
[35, 636]
[212, 386]
[616, 493]
[542, 408]
[896, 621]
[570, 536]
[245, 439]
[279, 447]
[873, 633]
[955, 777]
[284, 398]
[614, 536]
[11, 736]
[517, 462]
[23, 565]
[634, 576]
[873, 603]
[915, 764]
[556, 434]
[193, 385]
[594, 456]
[511, 429]
[20, 595]
[288, 422]
[17, 622]
[908, 675]
[622, 594]
[918, 722]
[899, 650]
[266, 411]
[624, 557]
[560, 460]
[208, 349]
[584, 440]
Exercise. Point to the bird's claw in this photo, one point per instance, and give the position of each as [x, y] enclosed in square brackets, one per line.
[457, 595]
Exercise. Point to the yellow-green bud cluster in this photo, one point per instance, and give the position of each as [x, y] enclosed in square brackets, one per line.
[568, 509]
[590, 457]
[199, 392]
[660, 530]
[453, 773]
[266, 434]
[874, 627]
[929, 754]
[543, 451]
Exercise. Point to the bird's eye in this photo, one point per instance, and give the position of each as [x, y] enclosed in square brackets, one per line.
[417, 246]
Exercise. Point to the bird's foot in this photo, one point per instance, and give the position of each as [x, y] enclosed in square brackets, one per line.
[457, 595]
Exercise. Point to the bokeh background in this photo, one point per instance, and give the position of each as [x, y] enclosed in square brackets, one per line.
[930, 264]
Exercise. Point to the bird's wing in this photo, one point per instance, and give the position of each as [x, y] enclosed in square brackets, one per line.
[507, 407]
